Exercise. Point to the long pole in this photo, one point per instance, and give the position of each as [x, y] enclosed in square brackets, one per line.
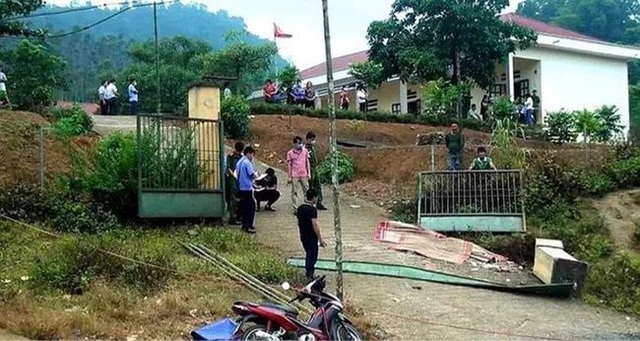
[334, 149]
[155, 34]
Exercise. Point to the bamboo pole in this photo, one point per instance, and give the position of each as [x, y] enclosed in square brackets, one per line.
[334, 150]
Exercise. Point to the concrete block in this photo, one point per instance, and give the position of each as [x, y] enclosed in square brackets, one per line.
[549, 243]
[554, 265]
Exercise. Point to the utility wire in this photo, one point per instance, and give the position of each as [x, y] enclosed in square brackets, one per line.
[107, 19]
[72, 10]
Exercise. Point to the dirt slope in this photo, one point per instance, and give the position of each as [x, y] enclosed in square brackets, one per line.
[621, 211]
[19, 149]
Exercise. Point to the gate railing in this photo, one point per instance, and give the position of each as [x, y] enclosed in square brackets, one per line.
[180, 165]
[483, 201]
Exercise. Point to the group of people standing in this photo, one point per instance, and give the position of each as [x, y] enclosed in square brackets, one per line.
[247, 189]
[108, 95]
[297, 95]
[527, 107]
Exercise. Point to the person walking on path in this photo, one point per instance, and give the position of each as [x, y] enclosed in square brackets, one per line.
[455, 143]
[231, 183]
[133, 96]
[310, 235]
[313, 164]
[102, 92]
[246, 175]
[298, 170]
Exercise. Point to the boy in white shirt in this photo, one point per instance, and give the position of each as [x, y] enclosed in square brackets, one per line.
[102, 91]
[133, 97]
[362, 99]
[111, 96]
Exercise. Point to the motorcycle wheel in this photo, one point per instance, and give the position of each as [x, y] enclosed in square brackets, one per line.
[345, 331]
[251, 331]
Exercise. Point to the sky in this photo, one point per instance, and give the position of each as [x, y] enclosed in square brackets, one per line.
[349, 20]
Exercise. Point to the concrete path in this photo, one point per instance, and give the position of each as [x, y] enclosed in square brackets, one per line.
[419, 310]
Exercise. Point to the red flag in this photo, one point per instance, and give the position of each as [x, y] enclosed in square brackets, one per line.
[277, 32]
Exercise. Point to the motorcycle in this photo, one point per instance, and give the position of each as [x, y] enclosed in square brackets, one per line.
[277, 322]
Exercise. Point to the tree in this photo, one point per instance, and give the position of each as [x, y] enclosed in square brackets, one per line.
[458, 39]
[248, 63]
[369, 74]
[615, 21]
[12, 8]
[288, 76]
[35, 74]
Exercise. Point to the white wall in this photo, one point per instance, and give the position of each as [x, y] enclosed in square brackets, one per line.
[578, 81]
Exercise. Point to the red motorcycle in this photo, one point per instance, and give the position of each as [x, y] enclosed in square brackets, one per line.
[276, 322]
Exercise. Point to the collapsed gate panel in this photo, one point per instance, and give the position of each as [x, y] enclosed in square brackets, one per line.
[471, 201]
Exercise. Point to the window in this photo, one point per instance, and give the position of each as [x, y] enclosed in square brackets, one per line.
[415, 107]
[521, 88]
[395, 108]
[498, 90]
[372, 105]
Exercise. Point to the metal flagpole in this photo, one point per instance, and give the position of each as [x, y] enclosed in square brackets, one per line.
[334, 150]
[275, 59]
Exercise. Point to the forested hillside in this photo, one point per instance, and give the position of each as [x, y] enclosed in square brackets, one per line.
[104, 49]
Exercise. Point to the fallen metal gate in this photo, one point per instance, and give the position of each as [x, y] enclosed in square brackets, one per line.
[180, 167]
[469, 201]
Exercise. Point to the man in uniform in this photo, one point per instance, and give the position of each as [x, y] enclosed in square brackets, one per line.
[232, 183]
[313, 162]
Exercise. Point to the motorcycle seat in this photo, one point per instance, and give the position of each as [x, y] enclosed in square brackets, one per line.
[285, 308]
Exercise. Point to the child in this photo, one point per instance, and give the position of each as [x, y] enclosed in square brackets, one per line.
[482, 162]
[309, 232]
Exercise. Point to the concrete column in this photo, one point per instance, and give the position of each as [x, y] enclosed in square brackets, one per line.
[510, 80]
[204, 103]
[404, 104]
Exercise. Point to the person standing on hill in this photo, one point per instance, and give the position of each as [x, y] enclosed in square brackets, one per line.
[4, 98]
[298, 170]
[111, 96]
[455, 143]
[310, 235]
[313, 164]
[133, 96]
[231, 183]
[102, 91]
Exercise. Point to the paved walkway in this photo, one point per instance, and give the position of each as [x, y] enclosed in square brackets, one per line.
[420, 310]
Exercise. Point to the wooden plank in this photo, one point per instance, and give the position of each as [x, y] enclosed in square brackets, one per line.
[553, 265]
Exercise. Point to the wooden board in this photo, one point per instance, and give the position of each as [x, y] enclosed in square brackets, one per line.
[553, 265]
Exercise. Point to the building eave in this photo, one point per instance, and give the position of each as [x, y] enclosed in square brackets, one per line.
[602, 49]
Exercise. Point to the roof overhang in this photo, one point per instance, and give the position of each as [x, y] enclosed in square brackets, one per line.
[589, 47]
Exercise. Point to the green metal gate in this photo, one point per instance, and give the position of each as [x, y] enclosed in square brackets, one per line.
[466, 201]
[180, 167]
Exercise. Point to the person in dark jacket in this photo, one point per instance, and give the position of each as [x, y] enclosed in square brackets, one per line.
[231, 183]
[266, 189]
[455, 143]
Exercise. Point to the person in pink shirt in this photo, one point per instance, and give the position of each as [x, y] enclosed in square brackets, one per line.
[299, 171]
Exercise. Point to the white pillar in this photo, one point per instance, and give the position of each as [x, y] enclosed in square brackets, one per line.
[404, 102]
[318, 103]
[510, 80]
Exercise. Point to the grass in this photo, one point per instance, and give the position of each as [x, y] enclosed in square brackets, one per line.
[53, 288]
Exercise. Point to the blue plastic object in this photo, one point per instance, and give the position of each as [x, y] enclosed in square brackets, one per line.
[219, 330]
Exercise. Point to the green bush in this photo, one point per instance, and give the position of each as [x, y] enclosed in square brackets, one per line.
[278, 109]
[561, 127]
[235, 116]
[625, 172]
[72, 121]
[598, 184]
[615, 282]
[346, 171]
[61, 211]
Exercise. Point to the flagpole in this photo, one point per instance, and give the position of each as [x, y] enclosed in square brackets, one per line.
[275, 58]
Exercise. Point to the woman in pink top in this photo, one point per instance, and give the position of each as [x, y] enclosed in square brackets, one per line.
[299, 171]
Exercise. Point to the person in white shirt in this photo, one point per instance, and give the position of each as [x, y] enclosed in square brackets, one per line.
[133, 96]
[111, 96]
[362, 99]
[102, 91]
[473, 113]
[528, 110]
[226, 93]
[4, 98]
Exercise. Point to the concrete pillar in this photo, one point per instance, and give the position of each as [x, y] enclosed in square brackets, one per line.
[404, 103]
[204, 103]
[510, 79]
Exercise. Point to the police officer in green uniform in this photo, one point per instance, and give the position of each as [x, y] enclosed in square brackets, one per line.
[231, 183]
[313, 161]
